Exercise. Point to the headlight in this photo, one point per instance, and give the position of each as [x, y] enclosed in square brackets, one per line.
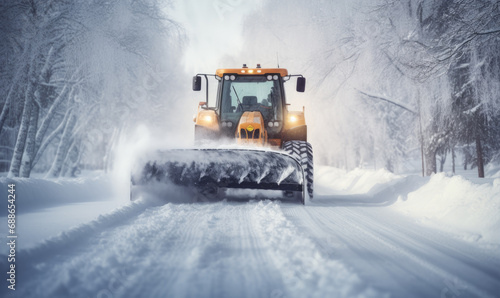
[293, 118]
[224, 124]
[233, 77]
[269, 77]
[273, 124]
[275, 77]
[230, 124]
[208, 118]
[226, 77]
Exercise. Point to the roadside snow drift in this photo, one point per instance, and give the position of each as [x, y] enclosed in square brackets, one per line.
[358, 181]
[37, 193]
[467, 208]
[456, 204]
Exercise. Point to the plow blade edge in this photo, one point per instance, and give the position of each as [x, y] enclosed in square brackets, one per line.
[200, 169]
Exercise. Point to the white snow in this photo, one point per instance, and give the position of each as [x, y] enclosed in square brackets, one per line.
[366, 234]
[45, 208]
[458, 205]
[305, 271]
[36, 193]
[466, 207]
[357, 181]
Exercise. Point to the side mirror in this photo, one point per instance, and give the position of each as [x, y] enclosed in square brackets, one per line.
[301, 84]
[196, 83]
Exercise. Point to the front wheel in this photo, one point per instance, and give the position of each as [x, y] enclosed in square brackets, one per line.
[303, 152]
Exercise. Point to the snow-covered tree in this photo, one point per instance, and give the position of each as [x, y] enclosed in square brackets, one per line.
[416, 54]
[74, 67]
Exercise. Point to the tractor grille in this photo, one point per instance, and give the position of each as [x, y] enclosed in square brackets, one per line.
[245, 134]
[256, 133]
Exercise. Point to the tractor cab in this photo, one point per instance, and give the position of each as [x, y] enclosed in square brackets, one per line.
[251, 93]
[250, 106]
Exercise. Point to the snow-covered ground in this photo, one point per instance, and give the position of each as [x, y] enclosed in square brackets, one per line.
[366, 234]
[468, 208]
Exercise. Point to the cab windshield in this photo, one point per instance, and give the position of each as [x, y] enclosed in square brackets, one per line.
[250, 93]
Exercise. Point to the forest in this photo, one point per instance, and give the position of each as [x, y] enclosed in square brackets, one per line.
[388, 80]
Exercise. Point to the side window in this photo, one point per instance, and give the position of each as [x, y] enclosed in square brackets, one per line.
[226, 104]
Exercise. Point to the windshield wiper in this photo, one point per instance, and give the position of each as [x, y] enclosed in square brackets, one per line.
[237, 97]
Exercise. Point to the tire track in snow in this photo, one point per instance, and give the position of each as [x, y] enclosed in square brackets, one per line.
[187, 250]
[257, 248]
[68, 239]
[56, 250]
[169, 229]
[306, 271]
[449, 259]
[219, 263]
[340, 239]
[406, 259]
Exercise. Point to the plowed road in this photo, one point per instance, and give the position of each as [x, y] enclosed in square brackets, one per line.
[255, 249]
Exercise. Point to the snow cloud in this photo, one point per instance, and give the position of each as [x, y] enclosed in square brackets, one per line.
[213, 29]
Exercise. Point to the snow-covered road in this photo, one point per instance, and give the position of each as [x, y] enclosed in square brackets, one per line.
[256, 249]
[390, 252]
[336, 246]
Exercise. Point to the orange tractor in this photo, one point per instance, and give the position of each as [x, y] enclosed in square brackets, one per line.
[269, 148]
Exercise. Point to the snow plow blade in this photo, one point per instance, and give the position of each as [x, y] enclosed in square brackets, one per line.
[206, 171]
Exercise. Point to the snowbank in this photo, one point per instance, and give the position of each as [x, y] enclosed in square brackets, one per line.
[466, 207]
[36, 193]
[47, 207]
[357, 181]
[361, 187]
[457, 205]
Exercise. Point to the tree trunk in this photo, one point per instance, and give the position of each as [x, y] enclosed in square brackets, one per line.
[453, 160]
[466, 159]
[70, 163]
[430, 158]
[442, 161]
[49, 116]
[49, 139]
[15, 81]
[15, 164]
[6, 106]
[479, 128]
[63, 147]
[29, 152]
[45, 76]
[480, 161]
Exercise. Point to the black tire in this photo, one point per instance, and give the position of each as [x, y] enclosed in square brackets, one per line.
[303, 152]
